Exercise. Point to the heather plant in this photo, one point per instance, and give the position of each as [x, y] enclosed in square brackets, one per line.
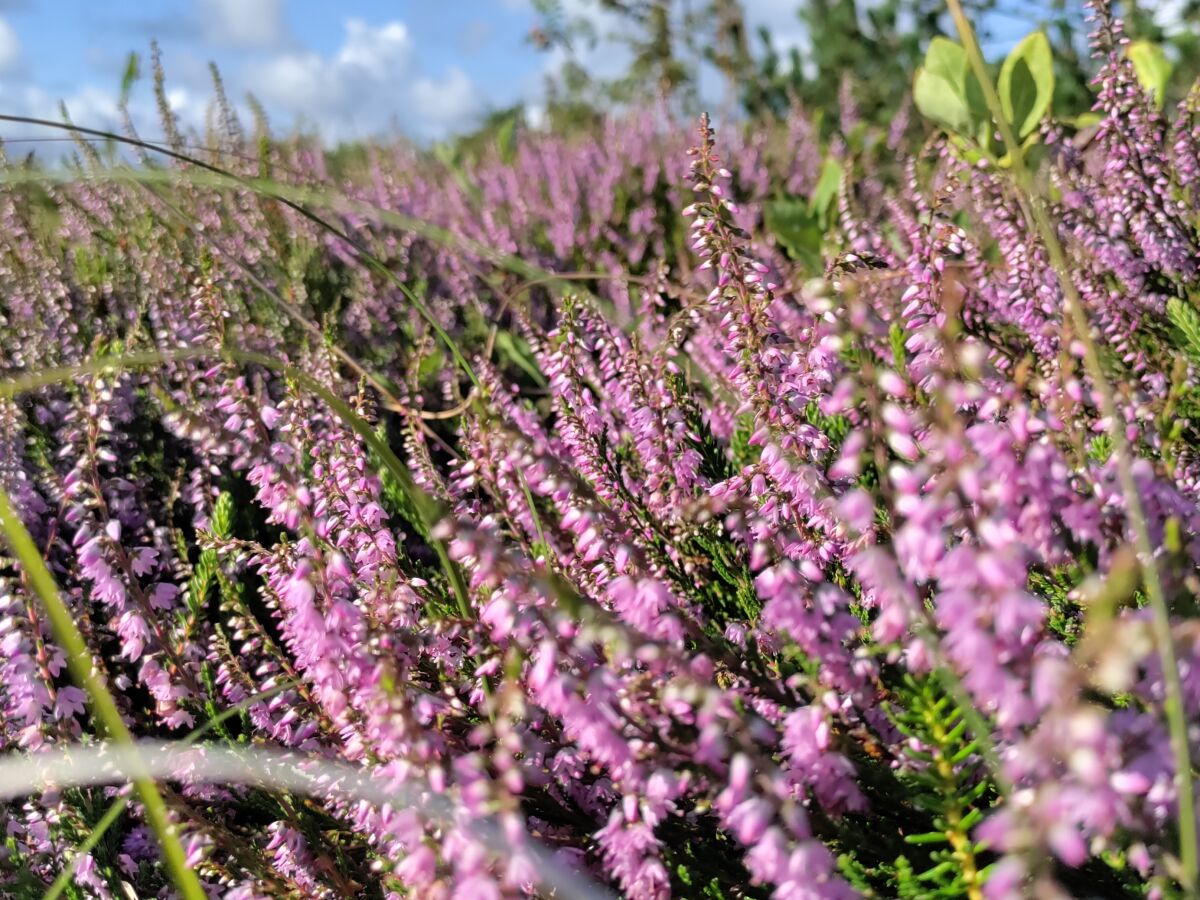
[660, 510]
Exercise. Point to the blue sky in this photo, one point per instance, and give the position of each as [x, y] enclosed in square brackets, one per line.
[356, 67]
[424, 67]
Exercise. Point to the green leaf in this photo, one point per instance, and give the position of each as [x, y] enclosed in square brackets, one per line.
[431, 364]
[939, 99]
[826, 191]
[516, 350]
[1152, 67]
[946, 91]
[222, 517]
[796, 228]
[131, 75]
[897, 338]
[202, 576]
[931, 837]
[948, 60]
[982, 126]
[1027, 83]
[506, 140]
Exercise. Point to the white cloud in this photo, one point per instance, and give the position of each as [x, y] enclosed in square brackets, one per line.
[367, 85]
[243, 23]
[375, 50]
[446, 103]
[370, 85]
[10, 47]
[91, 106]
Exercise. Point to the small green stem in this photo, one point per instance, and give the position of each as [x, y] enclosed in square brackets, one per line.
[958, 837]
[926, 630]
[85, 846]
[537, 520]
[104, 708]
[1173, 701]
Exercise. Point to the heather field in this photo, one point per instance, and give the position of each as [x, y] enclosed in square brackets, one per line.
[786, 505]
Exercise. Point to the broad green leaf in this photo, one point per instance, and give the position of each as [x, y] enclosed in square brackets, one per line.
[1152, 67]
[796, 228]
[941, 101]
[982, 126]
[946, 91]
[826, 191]
[1027, 83]
[948, 60]
[940, 86]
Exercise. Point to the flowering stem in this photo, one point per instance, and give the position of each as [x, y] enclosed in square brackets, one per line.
[104, 707]
[1173, 701]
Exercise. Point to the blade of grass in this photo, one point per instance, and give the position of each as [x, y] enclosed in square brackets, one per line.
[104, 707]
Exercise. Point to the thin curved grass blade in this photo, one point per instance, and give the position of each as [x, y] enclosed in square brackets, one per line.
[103, 706]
